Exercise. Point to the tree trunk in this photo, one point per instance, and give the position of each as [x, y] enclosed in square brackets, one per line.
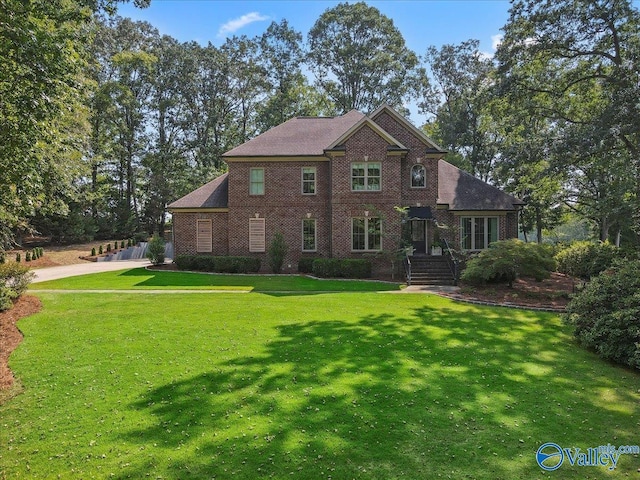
[539, 224]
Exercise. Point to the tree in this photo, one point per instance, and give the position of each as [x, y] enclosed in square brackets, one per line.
[459, 100]
[580, 60]
[359, 58]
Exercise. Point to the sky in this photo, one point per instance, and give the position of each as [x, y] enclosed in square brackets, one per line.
[423, 23]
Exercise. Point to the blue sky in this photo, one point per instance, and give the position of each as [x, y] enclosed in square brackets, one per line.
[421, 22]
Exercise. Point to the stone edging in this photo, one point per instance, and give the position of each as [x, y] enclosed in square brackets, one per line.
[461, 299]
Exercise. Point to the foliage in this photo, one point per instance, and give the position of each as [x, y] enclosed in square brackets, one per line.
[606, 314]
[277, 252]
[18, 258]
[586, 259]
[93, 251]
[360, 58]
[305, 264]
[506, 260]
[155, 250]
[222, 264]
[14, 280]
[341, 268]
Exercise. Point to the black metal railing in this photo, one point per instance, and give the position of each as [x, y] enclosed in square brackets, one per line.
[452, 261]
[407, 266]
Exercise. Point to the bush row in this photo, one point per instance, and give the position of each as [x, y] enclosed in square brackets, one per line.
[586, 259]
[14, 280]
[336, 267]
[209, 263]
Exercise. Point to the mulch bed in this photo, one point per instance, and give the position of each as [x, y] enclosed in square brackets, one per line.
[10, 336]
[553, 293]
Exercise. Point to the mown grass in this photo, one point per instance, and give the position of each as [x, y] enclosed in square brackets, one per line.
[141, 278]
[340, 385]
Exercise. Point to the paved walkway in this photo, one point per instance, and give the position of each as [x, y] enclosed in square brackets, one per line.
[54, 273]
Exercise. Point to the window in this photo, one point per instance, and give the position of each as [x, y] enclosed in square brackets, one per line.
[366, 234]
[308, 180]
[256, 185]
[478, 232]
[418, 176]
[309, 235]
[256, 235]
[365, 176]
[204, 236]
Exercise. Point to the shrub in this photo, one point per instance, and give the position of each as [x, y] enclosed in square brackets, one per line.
[209, 263]
[34, 254]
[40, 252]
[27, 257]
[586, 259]
[18, 257]
[100, 252]
[606, 314]
[277, 252]
[155, 250]
[122, 244]
[305, 265]
[93, 252]
[3, 258]
[108, 247]
[341, 268]
[128, 242]
[14, 280]
[506, 260]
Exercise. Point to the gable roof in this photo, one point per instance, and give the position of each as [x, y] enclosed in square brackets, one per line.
[214, 194]
[462, 191]
[374, 126]
[300, 136]
[410, 126]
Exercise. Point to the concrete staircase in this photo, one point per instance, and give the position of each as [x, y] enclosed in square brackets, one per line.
[430, 270]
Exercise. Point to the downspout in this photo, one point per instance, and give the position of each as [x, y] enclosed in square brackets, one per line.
[330, 206]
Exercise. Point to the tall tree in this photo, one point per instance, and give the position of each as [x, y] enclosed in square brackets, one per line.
[459, 98]
[359, 58]
[581, 60]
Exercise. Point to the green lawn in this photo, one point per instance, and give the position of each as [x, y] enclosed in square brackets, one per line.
[334, 385]
[140, 278]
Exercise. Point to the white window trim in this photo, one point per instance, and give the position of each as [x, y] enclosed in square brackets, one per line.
[257, 243]
[473, 236]
[366, 177]
[315, 180]
[251, 170]
[424, 178]
[366, 235]
[204, 236]
[315, 234]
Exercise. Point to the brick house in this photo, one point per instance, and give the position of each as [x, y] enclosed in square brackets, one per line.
[332, 186]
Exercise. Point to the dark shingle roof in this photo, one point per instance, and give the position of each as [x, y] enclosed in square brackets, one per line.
[299, 136]
[462, 191]
[214, 194]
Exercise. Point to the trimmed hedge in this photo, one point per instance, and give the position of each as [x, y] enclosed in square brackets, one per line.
[209, 263]
[341, 268]
[305, 265]
[586, 259]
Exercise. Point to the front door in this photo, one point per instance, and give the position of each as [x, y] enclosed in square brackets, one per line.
[419, 236]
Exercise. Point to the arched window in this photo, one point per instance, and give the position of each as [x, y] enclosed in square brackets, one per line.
[418, 176]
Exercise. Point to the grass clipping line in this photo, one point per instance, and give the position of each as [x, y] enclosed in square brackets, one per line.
[10, 335]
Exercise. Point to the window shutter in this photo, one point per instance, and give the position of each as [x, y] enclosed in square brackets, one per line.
[204, 236]
[256, 235]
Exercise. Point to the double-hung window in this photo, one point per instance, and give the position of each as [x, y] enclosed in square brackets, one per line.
[366, 234]
[256, 182]
[366, 176]
[309, 235]
[476, 233]
[308, 180]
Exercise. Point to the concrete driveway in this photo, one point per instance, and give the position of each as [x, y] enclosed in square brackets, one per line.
[53, 273]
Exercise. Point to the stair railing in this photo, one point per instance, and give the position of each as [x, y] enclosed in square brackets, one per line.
[407, 266]
[452, 261]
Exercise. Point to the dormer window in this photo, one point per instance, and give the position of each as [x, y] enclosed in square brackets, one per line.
[418, 176]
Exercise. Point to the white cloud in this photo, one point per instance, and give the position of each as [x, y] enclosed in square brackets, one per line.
[237, 23]
[496, 40]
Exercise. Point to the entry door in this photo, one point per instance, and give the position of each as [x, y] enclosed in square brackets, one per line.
[419, 236]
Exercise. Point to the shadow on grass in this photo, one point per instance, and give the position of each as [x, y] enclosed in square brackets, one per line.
[290, 284]
[432, 393]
